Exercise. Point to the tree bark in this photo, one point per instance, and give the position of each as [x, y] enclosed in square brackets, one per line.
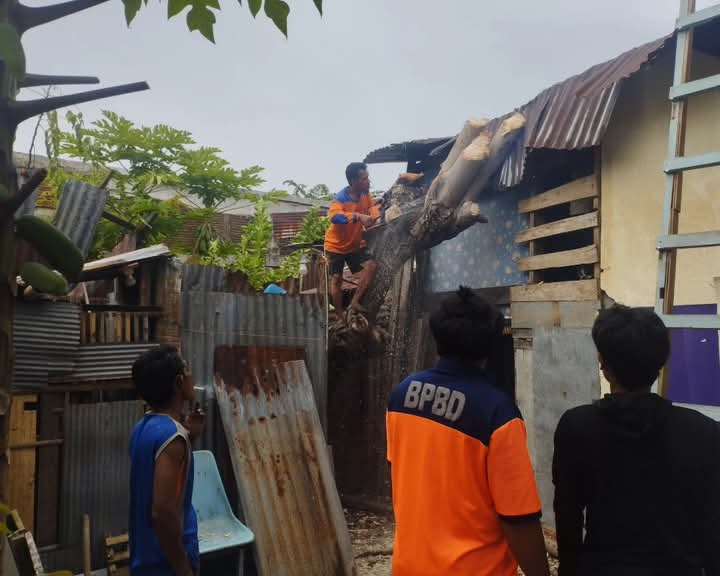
[425, 217]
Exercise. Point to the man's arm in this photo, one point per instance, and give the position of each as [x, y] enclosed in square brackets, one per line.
[528, 546]
[517, 503]
[568, 503]
[166, 510]
[338, 215]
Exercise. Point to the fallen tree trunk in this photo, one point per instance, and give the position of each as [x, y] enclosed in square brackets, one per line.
[417, 218]
[449, 206]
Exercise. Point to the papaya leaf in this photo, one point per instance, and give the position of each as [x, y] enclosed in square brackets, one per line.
[177, 6]
[132, 7]
[278, 11]
[202, 19]
[254, 6]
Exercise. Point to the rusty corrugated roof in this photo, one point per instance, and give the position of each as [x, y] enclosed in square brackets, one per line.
[571, 114]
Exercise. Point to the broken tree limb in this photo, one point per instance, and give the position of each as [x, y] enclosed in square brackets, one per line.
[500, 145]
[470, 131]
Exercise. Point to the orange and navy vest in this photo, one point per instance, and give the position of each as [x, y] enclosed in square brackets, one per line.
[345, 233]
[459, 463]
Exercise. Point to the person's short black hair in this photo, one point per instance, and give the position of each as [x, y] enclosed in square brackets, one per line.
[633, 343]
[352, 172]
[155, 374]
[466, 326]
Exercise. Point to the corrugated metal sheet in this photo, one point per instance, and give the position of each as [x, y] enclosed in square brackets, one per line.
[107, 361]
[95, 475]
[575, 113]
[282, 466]
[47, 335]
[119, 260]
[79, 212]
[213, 319]
[202, 278]
[570, 115]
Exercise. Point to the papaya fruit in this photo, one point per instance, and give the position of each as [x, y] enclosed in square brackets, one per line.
[59, 250]
[42, 279]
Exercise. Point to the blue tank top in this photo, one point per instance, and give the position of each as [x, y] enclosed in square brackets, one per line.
[149, 438]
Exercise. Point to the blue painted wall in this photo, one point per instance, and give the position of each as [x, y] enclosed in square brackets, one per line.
[484, 255]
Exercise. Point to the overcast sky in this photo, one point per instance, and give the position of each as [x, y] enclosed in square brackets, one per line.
[367, 74]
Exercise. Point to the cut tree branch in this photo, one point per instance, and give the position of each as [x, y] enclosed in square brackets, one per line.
[10, 205]
[33, 80]
[470, 131]
[27, 17]
[23, 109]
[502, 142]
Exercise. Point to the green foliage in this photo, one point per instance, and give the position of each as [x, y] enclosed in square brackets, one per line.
[318, 192]
[148, 160]
[201, 16]
[278, 11]
[249, 256]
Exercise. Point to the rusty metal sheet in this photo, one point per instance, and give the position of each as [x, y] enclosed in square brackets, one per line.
[281, 463]
[212, 319]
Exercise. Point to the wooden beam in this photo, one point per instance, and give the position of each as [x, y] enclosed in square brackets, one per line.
[23, 430]
[553, 314]
[575, 190]
[572, 224]
[579, 290]
[587, 255]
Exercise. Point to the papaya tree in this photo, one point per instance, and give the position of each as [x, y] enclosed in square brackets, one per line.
[145, 161]
[15, 20]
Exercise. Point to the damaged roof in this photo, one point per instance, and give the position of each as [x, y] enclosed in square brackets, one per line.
[569, 115]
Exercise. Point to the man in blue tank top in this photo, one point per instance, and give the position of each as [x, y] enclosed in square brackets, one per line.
[163, 526]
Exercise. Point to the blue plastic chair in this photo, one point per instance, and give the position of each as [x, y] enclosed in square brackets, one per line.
[218, 528]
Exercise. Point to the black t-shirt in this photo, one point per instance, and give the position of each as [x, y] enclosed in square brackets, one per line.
[642, 477]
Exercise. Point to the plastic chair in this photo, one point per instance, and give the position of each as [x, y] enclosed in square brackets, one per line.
[218, 528]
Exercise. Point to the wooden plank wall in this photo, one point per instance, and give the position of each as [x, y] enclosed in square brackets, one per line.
[570, 303]
[23, 439]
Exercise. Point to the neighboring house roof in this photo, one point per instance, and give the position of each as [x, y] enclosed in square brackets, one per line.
[405, 151]
[570, 115]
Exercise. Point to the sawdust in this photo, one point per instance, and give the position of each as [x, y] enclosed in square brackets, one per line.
[372, 538]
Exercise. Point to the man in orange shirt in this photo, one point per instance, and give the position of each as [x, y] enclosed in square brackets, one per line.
[463, 487]
[351, 212]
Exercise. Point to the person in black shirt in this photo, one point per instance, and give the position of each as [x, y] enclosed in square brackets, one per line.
[637, 480]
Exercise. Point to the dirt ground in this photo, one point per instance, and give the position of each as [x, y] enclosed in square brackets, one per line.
[372, 538]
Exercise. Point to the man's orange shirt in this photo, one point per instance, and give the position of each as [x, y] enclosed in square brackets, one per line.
[459, 463]
[345, 233]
